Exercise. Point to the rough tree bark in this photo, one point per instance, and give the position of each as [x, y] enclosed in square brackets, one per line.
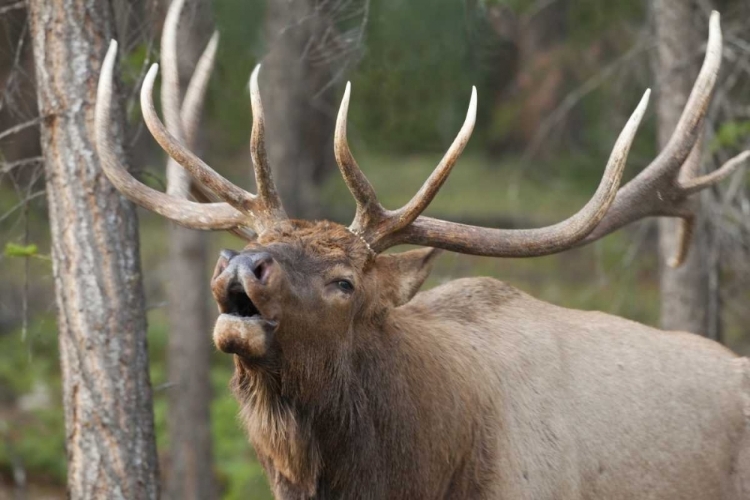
[101, 315]
[190, 462]
[300, 115]
[685, 290]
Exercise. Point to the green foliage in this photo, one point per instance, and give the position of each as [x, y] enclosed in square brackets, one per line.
[730, 135]
[16, 250]
[412, 87]
[37, 444]
[518, 6]
[240, 474]
[134, 63]
[505, 119]
[34, 438]
[584, 162]
[240, 23]
[589, 20]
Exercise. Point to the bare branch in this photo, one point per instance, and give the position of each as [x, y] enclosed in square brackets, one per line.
[19, 128]
[7, 167]
[14, 6]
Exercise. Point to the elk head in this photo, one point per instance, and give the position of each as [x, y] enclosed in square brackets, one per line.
[305, 288]
[310, 290]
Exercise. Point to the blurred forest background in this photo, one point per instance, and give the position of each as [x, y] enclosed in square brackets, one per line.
[556, 81]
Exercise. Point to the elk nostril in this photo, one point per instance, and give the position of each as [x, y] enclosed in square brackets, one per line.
[262, 269]
[224, 257]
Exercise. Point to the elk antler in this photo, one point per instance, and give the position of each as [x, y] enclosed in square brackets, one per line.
[382, 228]
[656, 191]
[240, 209]
[183, 121]
[187, 213]
[266, 187]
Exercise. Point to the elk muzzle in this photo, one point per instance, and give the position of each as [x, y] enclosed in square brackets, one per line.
[241, 286]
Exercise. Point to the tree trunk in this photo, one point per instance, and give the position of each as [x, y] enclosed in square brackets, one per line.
[300, 114]
[190, 474]
[685, 290]
[101, 315]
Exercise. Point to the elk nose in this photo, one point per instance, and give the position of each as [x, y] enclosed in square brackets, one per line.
[256, 265]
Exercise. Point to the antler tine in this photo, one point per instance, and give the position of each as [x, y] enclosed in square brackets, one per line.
[406, 215]
[192, 108]
[690, 186]
[524, 242]
[685, 232]
[170, 88]
[696, 184]
[178, 179]
[369, 210]
[192, 104]
[190, 113]
[184, 212]
[183, 121]
[235, 196]
[689, 126]
[263, 177]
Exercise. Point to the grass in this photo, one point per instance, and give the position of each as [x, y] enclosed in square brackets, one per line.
[477, 187]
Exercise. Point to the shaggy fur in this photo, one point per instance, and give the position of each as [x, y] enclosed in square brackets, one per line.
[474, 389]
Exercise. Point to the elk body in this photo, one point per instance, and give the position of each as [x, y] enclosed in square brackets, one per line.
[354, 385]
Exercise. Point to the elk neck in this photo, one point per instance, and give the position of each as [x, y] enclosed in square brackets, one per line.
[343, 427]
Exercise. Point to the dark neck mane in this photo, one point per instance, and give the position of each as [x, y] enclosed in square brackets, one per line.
[320, 432]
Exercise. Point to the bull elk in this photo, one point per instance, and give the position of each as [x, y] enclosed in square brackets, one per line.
[354, 385]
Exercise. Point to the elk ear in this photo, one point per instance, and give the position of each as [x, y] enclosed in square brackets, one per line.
[402, 274]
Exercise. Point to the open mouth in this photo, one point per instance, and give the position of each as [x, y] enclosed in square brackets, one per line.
[239, 304]
[241, 328]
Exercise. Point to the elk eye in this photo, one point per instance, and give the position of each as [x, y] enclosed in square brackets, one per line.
[345, 286]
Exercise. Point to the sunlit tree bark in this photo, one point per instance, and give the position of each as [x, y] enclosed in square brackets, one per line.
[101, 315]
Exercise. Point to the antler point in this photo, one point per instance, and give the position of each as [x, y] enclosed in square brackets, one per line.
[253, 82]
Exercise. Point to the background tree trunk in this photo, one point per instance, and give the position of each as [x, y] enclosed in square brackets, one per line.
[300, 111]
[102, 328]
[684, 291]
[190, 473]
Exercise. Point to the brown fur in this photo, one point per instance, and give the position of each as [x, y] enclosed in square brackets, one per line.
[474, 389]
